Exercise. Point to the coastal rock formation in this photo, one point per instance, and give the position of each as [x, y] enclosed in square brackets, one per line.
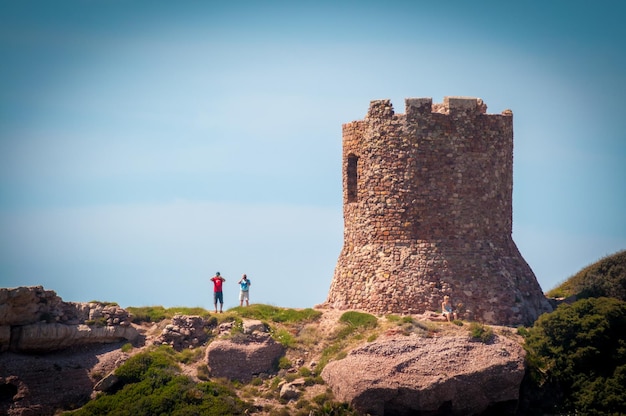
[36, 320]
[52, 352]
[429, 376]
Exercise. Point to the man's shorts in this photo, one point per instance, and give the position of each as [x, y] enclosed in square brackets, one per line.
[218, 296]
[243, 295]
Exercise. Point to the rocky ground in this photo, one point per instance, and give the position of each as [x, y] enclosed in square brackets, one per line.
[39, 383]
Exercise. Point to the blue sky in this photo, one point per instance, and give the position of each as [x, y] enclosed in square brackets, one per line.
[146, 145]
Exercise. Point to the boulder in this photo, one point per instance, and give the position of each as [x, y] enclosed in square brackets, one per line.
[243, 358]
[253, 325]
[429, 376]
[107, 383]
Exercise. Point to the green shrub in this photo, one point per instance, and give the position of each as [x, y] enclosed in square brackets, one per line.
[392, 318]
[275, 314]
[98, 322]
[284, 363]
[481, 332]
[147, 314]
[284, 337]
[577, 358]
[187, 356]
[359, 319]
[128, 347]
[152, 385]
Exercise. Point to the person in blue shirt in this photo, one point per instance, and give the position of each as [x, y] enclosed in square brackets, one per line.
[244, 284]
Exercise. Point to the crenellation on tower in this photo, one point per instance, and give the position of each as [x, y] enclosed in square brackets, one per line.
[416, 107]
[380, 109]
[428, 213]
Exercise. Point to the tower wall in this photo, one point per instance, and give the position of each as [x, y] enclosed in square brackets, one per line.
[428, 212]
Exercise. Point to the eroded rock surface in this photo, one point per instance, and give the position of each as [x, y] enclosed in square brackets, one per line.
[429, 376]
[185, 332]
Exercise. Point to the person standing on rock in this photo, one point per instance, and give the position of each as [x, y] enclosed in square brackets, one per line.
[244, 293]
[218, 295]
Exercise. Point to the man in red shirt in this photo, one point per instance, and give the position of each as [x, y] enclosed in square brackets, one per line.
[217, 291]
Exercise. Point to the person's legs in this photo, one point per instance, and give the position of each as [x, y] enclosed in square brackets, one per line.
[220, 296]
[244, 296]
[215, 301]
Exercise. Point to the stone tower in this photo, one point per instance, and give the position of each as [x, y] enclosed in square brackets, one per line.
[427, 206]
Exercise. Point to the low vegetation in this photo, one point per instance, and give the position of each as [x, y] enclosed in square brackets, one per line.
[159, 313]
[606, 277]
[480, 332]
[577, 358]
[577, 354]
[152, 385]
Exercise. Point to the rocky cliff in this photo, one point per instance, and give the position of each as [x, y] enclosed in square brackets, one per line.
[33, 319]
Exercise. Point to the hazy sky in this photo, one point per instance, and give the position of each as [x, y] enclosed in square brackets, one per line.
[146, 145]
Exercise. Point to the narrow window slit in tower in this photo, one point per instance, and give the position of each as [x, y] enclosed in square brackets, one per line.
[352, 177]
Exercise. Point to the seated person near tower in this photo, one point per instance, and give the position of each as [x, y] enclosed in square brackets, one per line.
[446, 309]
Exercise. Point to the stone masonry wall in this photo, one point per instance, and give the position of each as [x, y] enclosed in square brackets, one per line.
[428, 213]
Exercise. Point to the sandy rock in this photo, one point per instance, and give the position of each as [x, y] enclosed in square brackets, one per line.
[413, 375]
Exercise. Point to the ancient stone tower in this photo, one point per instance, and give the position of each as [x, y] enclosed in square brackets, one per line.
[427, 205]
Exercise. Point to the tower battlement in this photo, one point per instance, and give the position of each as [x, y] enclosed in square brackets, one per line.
[427, 199]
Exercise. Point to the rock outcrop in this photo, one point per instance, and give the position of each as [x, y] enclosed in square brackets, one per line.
[33, 319]
[429, 376]
[244, 355]
[53, 352]
[185, 332]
